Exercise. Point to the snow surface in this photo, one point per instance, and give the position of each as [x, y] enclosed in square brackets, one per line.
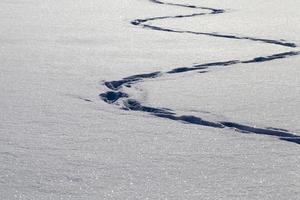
[59, 140]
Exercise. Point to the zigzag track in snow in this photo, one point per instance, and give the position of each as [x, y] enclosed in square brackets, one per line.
[114, 93]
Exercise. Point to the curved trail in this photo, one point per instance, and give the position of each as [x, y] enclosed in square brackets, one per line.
[115, 94]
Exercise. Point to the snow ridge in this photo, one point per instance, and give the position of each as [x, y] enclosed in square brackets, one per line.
[114, 95]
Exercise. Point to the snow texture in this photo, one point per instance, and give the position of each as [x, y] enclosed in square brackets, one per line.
[149, 99]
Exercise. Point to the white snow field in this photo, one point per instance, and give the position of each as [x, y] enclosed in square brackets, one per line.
[148, 99]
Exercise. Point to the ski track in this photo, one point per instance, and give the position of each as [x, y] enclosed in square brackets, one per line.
[114, 94]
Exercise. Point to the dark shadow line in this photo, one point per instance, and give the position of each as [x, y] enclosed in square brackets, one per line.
[134, 105]
[113, 96]
[128, 81]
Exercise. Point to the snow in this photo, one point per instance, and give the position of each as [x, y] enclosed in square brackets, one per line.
[59, 140]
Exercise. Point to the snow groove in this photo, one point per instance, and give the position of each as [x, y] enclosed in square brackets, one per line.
[114, 94]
